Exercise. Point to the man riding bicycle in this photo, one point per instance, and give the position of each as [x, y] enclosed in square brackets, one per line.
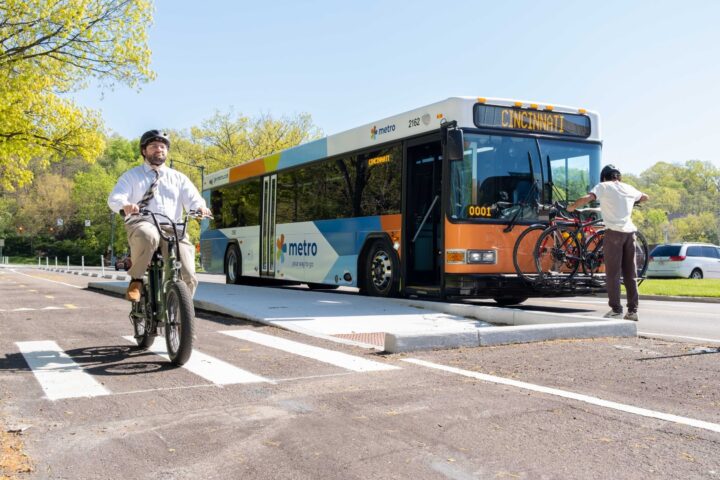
[155, 187]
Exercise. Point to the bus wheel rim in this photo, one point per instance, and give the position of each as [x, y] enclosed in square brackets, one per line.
[381, 270]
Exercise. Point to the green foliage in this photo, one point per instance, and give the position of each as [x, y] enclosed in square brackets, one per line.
[228, 139]
[51, 48]
[689, 196]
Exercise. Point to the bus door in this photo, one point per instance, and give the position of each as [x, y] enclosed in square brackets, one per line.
[267, 227]
[422, 230]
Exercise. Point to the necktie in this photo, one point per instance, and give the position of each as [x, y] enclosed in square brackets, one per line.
[150, 191]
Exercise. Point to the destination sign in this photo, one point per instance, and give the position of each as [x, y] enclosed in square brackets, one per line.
[535, 121]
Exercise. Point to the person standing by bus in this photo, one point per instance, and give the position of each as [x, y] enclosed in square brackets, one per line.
[159, 189]
[617, 200]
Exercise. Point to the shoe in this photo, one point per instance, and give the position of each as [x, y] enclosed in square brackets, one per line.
[613, 314]
[631, 316]
[133, 290]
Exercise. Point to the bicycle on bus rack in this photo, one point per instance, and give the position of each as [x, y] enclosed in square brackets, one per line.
[165, 301]
[567, 252]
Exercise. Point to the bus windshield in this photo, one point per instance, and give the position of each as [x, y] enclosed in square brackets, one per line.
[574, 167]
[502, 177]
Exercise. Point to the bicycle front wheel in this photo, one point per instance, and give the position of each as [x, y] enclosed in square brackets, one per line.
[557, 255]
[179, 329]
[523, 253]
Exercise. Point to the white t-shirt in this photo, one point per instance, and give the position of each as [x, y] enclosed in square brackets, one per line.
[616, 203]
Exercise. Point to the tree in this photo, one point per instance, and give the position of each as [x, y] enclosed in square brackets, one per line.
[48, 49]
[697, 228]
[229, 139]
[41, 207]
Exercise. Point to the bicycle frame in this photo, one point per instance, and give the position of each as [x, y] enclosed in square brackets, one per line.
[160, 275]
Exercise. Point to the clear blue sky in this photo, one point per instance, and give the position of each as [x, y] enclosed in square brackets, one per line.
[650, 68]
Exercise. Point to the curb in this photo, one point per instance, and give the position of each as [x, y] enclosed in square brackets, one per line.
[515, 326]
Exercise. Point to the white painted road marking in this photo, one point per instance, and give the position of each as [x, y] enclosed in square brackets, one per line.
[58, 375]
[339, 359]
[713, 427]
[210, 368]
[26, 309]
[700, 339]
[45, 279]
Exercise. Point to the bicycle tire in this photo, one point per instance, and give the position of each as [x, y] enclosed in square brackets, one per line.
[524, 253]
[641, 254]
[180, 326]
[557, 255]
[141, 325]
[594, 258]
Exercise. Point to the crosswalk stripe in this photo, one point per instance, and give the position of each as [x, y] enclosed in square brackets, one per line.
[208, 367]
[339, 359]
[58, 375]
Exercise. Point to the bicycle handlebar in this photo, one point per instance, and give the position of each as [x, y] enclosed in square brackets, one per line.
[170, 223]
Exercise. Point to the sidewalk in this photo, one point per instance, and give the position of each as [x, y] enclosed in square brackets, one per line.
[391, 325]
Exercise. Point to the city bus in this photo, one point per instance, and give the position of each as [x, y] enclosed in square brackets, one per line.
[425, 203]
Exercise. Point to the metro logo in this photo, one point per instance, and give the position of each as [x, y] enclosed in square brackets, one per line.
[304, 249]
[293, 249]
[375, 132]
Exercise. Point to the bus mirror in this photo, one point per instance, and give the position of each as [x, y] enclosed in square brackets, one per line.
[455, 146]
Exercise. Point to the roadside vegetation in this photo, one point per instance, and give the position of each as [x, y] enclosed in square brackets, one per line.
[681, 287]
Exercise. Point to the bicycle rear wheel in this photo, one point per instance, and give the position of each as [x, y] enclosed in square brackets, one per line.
[557, 255]
[523, 253]
[641, 254]
[179, 330]
[140, 318]
[594, 254]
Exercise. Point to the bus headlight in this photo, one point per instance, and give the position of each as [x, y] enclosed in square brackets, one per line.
[481, 256]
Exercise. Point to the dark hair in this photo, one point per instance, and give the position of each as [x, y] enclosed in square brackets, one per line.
[610, 172]
[154, 135]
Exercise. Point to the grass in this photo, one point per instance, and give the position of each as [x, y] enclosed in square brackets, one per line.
[681, 287]
[23, 260]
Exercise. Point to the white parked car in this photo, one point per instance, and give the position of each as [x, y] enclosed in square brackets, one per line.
[686, 260]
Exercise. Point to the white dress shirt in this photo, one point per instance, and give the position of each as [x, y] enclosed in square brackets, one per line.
[175, 191]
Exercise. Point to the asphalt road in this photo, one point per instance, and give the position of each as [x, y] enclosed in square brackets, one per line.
[273, 407]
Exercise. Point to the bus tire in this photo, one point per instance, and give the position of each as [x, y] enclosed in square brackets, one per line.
[503, 301]
[322, 286]
[382, 270]
[233, 265]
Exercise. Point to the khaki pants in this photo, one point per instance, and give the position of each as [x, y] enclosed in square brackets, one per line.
[144, 239]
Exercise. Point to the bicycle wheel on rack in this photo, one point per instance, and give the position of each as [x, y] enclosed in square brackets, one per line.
[594, 260]
[557, 255]
[179, 330]
[641, 254]
[523, 253]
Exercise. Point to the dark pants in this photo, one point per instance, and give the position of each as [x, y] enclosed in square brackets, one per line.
[619, 248]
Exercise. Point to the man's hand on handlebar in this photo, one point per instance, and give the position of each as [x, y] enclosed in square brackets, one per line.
[131, 209]
[201, 212]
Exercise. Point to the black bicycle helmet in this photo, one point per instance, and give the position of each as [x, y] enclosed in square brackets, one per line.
[609, 172]
[153, 135]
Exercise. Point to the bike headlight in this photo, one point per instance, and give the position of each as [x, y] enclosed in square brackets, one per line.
[482, 256]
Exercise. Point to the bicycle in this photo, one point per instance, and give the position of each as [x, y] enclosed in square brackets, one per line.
[165, 300]
[553, 247]
[564, 245]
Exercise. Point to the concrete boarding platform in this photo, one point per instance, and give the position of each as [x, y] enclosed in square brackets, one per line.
[392, 325]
